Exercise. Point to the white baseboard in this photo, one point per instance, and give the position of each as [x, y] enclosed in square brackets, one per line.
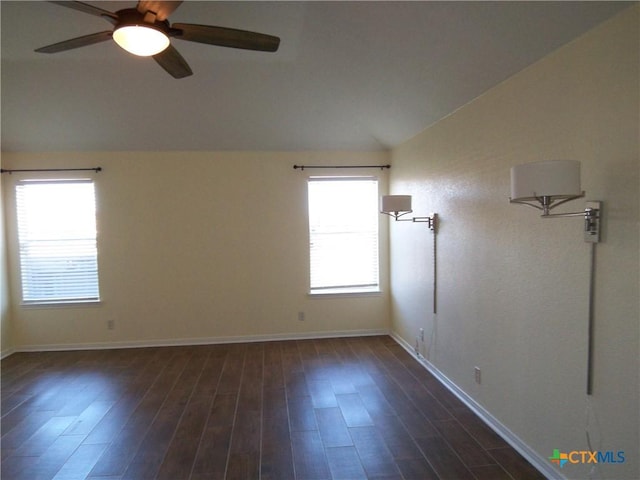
[196, 341]
[541, 463]
[6, 353]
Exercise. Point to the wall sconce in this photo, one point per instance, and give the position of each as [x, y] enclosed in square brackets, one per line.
[545, 185]
[397, 206]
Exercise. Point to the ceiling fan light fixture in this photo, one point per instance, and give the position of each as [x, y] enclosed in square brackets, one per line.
[141, 40]
[145, 31]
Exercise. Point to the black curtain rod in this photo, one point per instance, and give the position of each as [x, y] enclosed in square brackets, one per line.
[94, 169]
[302, 167]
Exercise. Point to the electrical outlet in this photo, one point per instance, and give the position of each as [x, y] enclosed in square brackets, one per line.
[422, 335]
[301, 316]
[478, 375]
[111, 324]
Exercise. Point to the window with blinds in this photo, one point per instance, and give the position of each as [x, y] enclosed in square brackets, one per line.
[57, 241]
[343, 234]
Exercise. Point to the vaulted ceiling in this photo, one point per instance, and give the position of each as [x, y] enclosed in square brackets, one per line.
[347, 76]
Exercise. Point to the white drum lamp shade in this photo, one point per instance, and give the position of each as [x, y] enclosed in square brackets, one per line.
[555, 178]
[395, 203]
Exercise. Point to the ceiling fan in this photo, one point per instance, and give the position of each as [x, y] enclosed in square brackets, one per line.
[145, 31]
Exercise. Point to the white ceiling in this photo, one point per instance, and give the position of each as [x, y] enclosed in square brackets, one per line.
[347, 76]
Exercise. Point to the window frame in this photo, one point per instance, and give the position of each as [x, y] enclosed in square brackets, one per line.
[44, 301]
[346, 290]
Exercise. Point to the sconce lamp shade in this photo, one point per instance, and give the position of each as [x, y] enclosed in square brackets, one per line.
[395, 204]
[557, 179]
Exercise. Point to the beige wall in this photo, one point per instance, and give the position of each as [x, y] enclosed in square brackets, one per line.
[197, 247]
[512, 287]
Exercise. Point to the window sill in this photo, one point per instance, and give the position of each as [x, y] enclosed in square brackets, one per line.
[342, 292]
[62, 304]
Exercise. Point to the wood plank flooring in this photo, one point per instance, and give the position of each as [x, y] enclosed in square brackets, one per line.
[345, 408]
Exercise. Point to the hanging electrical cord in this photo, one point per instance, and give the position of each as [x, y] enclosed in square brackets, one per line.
[595, 468]
[591, 316]
[435, 266]
[435, 288]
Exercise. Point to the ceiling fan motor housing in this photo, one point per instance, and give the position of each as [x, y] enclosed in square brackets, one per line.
[130, 17]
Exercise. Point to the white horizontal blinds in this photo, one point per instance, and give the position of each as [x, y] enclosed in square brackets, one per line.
[343, 227]
[57, 237]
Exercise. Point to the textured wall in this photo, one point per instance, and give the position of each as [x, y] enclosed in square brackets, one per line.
[513, 288]
[197, 246]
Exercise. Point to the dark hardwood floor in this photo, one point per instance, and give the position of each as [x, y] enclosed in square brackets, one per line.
[347, 408]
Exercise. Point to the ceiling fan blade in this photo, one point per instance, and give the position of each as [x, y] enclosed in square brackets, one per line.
[162, 9]
[225, 37]
[76, 42]
[173, 63]
[90, 9]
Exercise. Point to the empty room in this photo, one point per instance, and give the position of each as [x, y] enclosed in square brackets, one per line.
[320, 240]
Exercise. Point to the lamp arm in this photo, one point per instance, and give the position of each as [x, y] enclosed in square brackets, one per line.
[526, 202]
[430, 221]
[546, 202]
[584, 213]
[549, 202]
[397, 215]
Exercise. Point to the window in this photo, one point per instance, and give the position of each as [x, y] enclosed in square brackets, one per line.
[57, 241]
[343, 234]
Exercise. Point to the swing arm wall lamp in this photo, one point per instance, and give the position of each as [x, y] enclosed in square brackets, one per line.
[546, 185]
[398, 206]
